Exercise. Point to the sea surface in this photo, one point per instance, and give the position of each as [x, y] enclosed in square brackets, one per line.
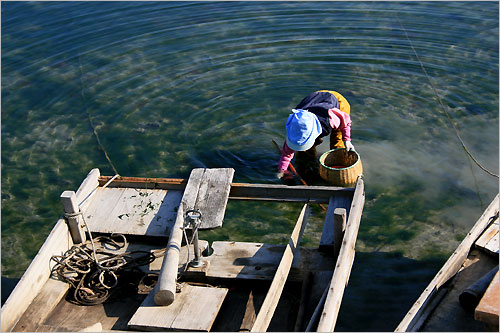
[172, 86]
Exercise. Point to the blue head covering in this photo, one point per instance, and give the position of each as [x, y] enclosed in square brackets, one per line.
[302, 129]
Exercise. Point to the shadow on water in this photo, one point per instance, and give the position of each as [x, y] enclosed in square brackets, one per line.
[382, 288]
[8, 285]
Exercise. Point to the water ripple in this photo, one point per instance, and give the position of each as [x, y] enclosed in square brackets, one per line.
[174, 85]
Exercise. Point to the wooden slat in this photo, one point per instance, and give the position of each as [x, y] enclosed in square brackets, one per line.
[166, 214]
[136, 213]
[43, 304]
[339, 224]
[136, 208]
[133, 211]
[88, 186]
[488, 309]
[327, 235]
[258, 261]
[70, 204]
[244, 260]
[212, 196]
[194, 310]
[97, 215]
[250, 314]
[299, 193]
[266, 312]
[344, 262]
[144, 182]
[316, 194]
[97, 327]
[414, 317]
[489, 239]
[492, 245]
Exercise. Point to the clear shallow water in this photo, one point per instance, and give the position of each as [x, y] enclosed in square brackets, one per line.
[171, 86]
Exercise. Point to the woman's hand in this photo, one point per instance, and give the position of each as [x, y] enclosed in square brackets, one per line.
[284, 174]
[349, 146]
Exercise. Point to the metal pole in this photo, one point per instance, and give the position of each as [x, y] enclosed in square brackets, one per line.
[193, 218]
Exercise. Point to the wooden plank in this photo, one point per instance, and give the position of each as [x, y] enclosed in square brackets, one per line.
[97, 327]
[344, 262]
[165, 293]
[488, 241]
[487, 310]
[195, 310]
[212, 196]
[206, 190]
[327, 236]
[72, 214]
[250, 314]
[492, 246]
[144, 182]
[43, 304]
[135, 208]
[113, 315]
[38, 272]
[315, 194]
[258, 261]
[136, 213]
[449, 269]
[266, 312]
[88, 187]
[339, 224]
[99, 210]
[133, 211]
[168, 210]
[244, 260]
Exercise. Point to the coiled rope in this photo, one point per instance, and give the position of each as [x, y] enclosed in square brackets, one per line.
[467, 151]
[94, 273]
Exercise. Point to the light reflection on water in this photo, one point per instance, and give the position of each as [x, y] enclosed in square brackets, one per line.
[175, 85]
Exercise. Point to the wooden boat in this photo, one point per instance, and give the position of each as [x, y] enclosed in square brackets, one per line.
[443, 305]
[232, 286]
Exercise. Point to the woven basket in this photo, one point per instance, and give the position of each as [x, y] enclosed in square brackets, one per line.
[340, 167]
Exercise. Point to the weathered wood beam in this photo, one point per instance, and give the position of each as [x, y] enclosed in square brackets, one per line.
[266, 312]
[142, 182]
[242, 191]
[326, 243]
[339, 224]
[344, 262]
[69, 201]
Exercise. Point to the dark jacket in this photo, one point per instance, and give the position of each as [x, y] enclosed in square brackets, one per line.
[319, 103]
